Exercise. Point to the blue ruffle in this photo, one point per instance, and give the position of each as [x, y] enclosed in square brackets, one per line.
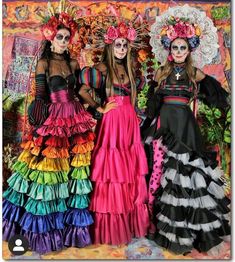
[78, 217]
[42, 224]
[11, 212]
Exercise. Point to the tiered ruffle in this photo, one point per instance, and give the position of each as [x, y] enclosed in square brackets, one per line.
[47, 198]
[119, 166]
[192, 210]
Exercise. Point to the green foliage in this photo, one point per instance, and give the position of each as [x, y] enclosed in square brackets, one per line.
[216, 128]
[221, 12]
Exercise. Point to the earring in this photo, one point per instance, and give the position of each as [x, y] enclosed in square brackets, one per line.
[67, 50]
[52, 48]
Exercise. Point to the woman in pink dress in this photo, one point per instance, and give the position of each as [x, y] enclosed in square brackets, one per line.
[119, 163]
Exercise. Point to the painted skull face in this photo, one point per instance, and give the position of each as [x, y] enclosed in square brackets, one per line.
[61, 40]
[179, 50]
[120, 48]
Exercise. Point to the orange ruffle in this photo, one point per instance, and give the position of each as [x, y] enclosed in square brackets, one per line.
[53, 152]
[27, 144]
[36, 150]
[82, 149]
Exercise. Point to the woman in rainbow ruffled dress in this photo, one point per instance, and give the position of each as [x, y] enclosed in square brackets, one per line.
[47, 198]
[190, 207]
[119, 164]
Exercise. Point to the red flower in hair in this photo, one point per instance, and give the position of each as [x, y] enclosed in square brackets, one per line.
[111, 35]
[181, 30]
[122, 30]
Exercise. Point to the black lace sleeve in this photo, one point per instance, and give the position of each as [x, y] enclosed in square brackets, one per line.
[154, 102]
[212, 93]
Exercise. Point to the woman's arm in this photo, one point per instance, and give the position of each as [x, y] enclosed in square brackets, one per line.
[86, 85]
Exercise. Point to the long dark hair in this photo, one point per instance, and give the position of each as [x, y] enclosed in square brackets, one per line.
[47, 53]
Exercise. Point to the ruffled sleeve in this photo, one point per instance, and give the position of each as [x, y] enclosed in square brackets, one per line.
[91, 77]
[38, 109]
[212, 93]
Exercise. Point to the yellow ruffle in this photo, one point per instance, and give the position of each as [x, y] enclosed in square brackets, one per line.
[81, 160]
[25, 156]
[50, 164]
[82, 149]
[53, 152]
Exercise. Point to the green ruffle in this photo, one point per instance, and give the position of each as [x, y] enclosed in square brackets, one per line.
[22, 168]
[14, 197]
[80, 187]
[49, 177]
[18, 183]
[78, 201]
[48, 192]
[80, 173]
[38, 207]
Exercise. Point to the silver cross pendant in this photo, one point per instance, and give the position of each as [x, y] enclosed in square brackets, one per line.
[177, 76]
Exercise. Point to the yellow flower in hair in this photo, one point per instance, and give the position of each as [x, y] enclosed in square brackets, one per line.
[163, 32]
[197, 31]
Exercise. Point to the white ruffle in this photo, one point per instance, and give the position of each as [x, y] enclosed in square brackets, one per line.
[215, 174]
[197, 180]
[199, 202]
[173, 238]
[184, 224]
[216, 190]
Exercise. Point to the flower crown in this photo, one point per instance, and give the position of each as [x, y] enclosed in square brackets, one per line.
[180, 28]
[64, 16]
[121, 31]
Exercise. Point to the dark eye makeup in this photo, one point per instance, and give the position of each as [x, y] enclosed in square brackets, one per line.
[60, 37]
[182, 48]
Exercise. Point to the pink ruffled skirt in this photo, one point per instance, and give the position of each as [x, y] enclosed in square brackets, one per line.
[119, 198]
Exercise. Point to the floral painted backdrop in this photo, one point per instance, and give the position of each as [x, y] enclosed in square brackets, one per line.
[21, 46]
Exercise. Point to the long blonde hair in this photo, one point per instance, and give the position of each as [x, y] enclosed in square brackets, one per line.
[168, 68]
[109, 60]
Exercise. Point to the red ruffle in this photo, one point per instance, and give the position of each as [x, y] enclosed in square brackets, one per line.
[55, 141]
[83, 138]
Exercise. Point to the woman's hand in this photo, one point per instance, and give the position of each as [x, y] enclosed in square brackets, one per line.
[109, 106]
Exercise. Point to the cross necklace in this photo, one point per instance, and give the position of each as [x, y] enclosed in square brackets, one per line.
[178, 70]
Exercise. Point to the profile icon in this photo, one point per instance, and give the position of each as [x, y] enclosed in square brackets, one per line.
[18, 245]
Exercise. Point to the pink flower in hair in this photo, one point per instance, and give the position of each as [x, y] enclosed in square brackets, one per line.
[131, 34]
[181, 29]
[111, 35]
[171, 33]
[190, 31]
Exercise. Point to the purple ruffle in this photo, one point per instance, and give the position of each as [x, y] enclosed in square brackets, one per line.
[45, 242]
[11, 212]
[9, 229]
[42, 224]
[78, 217]
[76, 236]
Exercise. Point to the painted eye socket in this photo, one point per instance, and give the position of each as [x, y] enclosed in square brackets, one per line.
[174, 47]
[118, 45]
[125, 45]
[61, 37]
[182, 48]
[67, 38]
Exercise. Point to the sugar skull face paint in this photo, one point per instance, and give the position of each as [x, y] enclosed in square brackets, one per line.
[61, 40]
[179, 50]
[120, 47]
